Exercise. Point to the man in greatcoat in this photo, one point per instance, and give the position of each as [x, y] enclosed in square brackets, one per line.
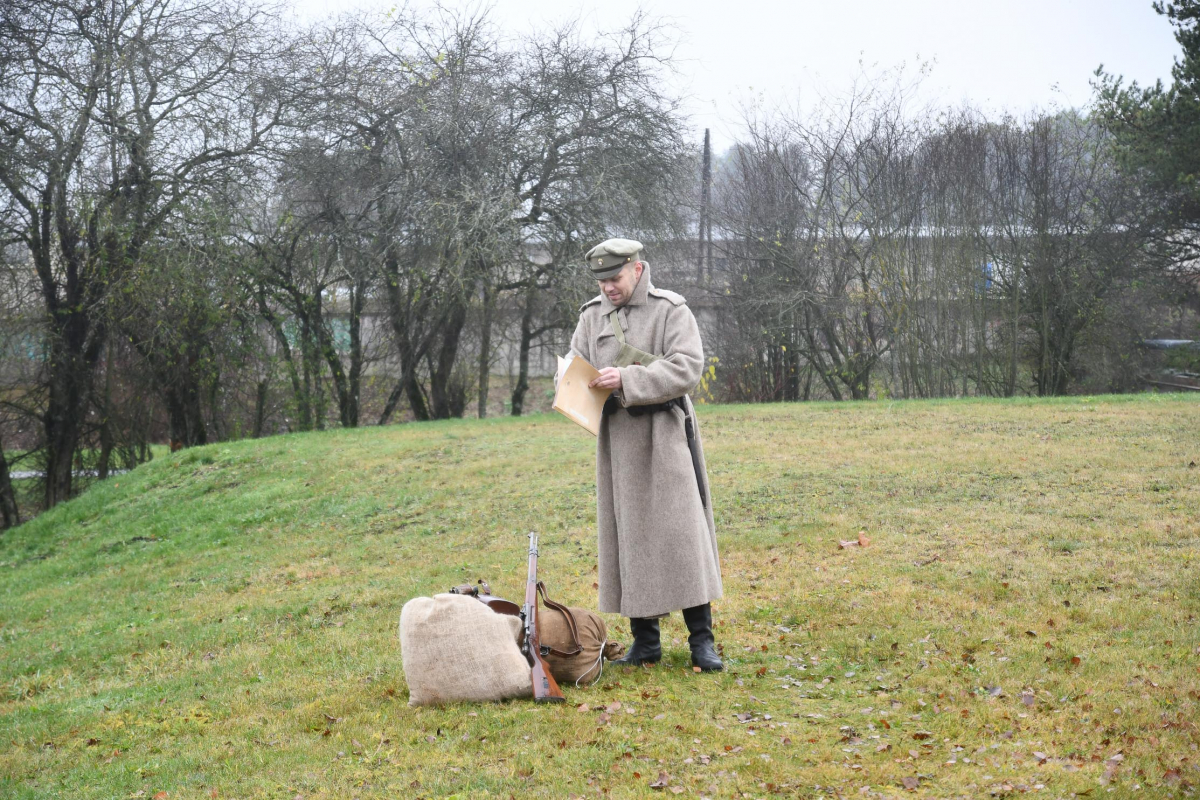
[657, 542]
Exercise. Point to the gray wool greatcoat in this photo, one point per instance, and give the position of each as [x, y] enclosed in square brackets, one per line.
[657, 543]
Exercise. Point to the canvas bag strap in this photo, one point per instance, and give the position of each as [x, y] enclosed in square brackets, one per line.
[628, 354]
[568, 616]
[616, 326]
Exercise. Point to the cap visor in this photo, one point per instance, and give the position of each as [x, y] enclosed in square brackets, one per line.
[605, 274]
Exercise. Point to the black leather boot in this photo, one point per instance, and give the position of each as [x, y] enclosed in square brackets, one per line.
[645, 648]
[700, 638]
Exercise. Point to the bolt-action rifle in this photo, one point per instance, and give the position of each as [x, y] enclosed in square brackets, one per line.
[545, 688]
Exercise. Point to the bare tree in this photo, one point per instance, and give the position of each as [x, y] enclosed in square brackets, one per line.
[114, 114]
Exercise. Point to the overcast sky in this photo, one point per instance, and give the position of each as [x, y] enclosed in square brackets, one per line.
[1014, 55]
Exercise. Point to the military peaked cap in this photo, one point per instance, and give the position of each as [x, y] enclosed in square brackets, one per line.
[606, 259]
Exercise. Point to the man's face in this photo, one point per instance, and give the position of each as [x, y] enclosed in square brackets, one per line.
[619, 288]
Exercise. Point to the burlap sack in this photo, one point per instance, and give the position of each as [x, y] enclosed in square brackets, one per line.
[585, 666]
[456, 648]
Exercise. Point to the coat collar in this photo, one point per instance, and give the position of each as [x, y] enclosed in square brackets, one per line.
[640, 293]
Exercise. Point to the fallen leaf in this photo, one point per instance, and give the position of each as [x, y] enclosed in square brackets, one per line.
[922, 735]
[910, 783]
[1028, 699]
[1041, 757]
[661, 783]
[160, 796]
[581, 707]
[863, 541]
[1076, 661]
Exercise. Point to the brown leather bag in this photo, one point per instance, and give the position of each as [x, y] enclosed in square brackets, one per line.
[578, 639]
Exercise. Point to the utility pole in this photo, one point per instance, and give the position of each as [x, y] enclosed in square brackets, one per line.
[705, 233]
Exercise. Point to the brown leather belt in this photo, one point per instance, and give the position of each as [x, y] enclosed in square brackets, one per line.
[611, 406]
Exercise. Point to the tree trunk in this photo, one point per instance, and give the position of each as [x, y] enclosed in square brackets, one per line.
[354, 377]
[522, 386]
[323, 342]
[299, 387]
[65, 408]
[393, 400]
[1010, 387]
[106, 434]
[314, 392]
[485, 348]
[185, 414]
[416, 398]
[260, 409]
[445, 398]
[9, 516]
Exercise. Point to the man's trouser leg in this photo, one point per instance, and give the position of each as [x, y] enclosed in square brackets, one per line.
[700, 638]
[645, 648]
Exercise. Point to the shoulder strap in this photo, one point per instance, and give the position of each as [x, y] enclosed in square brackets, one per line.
[616, 326]
[568, 616]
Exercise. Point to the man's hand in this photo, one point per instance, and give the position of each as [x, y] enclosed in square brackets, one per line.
[609, 378]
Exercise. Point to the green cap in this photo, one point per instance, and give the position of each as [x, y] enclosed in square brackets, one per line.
[606, 259]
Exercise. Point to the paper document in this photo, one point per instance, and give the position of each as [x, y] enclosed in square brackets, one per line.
[573, 399]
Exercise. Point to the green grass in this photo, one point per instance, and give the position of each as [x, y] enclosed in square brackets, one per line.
[28, 492]
[222, 621]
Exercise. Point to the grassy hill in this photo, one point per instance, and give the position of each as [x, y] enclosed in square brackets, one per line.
[222, 622]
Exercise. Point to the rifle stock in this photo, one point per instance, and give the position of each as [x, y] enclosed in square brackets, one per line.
[545, 688]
